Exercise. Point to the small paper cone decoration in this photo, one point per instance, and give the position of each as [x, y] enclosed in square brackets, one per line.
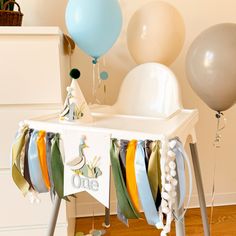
[75, 106]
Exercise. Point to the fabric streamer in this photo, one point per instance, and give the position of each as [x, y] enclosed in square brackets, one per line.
[34, 165]
[154, 169]
[42, 157]
[122, 157]
[152, 152]
[187, 161]
[32, 194]
[148, 151]
[26, 165]
[21, 160]
[130, 174]
[121, 216]
[16, 150]
[180, 171]
[57, 167]
[49, 137]
[144, 189]
[125, 204]
[181, 157]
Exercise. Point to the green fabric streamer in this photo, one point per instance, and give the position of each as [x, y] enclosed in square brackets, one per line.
[57, 167]
[17, 147]
[154, 169]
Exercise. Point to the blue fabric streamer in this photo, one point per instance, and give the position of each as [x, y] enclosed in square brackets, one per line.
[178, 150]
[144, 189]
[34, 165]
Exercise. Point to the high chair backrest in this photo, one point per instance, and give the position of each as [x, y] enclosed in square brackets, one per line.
[150, 90]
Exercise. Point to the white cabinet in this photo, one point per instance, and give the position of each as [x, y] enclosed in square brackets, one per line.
[33, 78]
[31, 65]
[19, 208]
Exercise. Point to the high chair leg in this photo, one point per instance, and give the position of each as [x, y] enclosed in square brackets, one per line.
[53, 219]
[201, 195]
[107, 218]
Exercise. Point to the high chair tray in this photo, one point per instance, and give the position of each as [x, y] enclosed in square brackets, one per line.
[123, 126]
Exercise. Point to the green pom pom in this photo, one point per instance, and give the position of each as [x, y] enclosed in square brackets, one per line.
[74, 73]
[95, 60]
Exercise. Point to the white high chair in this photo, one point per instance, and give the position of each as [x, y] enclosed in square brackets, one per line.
[148, 107]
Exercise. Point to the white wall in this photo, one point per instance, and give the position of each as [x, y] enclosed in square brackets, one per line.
[198, 15]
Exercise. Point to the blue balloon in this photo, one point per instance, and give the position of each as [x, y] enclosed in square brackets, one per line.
[94, 24]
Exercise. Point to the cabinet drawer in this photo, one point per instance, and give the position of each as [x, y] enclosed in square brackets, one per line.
[30, 69]
[9, 123]
[17, 211]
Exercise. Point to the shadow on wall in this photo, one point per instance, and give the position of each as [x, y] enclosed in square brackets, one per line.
[43, 12]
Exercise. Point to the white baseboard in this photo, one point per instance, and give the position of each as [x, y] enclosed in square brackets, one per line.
[30, 227]
[86, 209]
[29, 230]
[221, 199]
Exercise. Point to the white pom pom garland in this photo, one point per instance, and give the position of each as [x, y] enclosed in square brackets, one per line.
[169, 183]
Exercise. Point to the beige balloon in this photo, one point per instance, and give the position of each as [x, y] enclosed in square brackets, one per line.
[156, 33]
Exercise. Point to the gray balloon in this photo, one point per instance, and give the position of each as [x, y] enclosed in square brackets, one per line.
[211, 66]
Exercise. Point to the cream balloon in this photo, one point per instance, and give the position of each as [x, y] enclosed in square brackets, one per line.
[156, 33]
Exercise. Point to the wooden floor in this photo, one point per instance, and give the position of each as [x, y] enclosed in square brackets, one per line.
[224, 224]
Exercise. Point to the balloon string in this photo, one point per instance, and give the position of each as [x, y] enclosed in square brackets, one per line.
[93, 86]
[221, 123]
[213, 195]
[105, 93]
[220, 118]
[104, 83]
[104, 61]
[98, 84]
[98, 77]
